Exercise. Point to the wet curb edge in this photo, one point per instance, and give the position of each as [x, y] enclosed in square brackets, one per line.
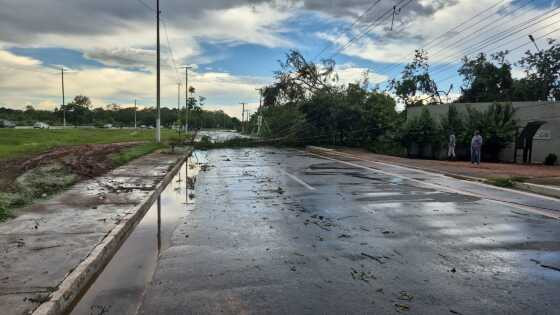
[79, 279]
[528, 187]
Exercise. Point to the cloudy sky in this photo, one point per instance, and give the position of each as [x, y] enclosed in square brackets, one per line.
[109, 46]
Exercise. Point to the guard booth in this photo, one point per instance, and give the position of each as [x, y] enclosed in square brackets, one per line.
[524, 140]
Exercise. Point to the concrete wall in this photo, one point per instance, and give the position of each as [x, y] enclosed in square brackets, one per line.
[547, 139]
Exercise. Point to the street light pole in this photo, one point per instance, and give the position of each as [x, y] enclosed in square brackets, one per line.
[260, 97]
[135, 114]
[179, 107]
[63, 104]
[158, 93]
[243, 118]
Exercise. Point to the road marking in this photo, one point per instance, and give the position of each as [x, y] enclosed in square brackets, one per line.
[298, 180]
[541, 211]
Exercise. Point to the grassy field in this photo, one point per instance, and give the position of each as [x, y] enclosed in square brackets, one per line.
[46, 180]
[20, 142]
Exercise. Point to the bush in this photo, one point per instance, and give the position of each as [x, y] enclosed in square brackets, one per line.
[507, 182]
[550, 159]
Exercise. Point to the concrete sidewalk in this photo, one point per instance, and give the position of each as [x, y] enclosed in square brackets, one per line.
[540, 179]
[53, 249]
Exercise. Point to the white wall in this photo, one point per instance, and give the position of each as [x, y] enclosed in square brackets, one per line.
[525, 112]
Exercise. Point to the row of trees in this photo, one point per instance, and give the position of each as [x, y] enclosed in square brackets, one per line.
[307, 104]
[485, 78]
[80, 112]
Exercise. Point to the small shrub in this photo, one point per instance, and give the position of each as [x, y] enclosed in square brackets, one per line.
[506, 182]
[551, 159]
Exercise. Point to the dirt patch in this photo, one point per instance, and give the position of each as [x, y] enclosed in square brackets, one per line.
[24, 180]
[86, 161]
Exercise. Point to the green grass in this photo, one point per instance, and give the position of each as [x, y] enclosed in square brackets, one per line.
[20, 142]
[130, 154]
[507, 182]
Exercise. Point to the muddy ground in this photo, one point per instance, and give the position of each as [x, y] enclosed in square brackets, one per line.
[25, 179]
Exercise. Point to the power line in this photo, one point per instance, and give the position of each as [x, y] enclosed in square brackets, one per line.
[478, 47]
[170, 51]
[492, 40]
[147, 6]
[358, 19]
[372, 25]
[513, 49]
[480, 15]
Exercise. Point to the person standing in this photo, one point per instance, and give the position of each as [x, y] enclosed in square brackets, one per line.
[476, 147]
[451, 146]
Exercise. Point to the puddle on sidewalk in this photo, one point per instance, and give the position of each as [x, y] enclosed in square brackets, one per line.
[119, 288]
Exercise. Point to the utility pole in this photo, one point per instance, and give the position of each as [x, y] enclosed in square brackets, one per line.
[186, 98]
[243, 118]
[260, 117]
[158, 93]
[63, 104]
[179, 107]
[260, 97]
[135, 114]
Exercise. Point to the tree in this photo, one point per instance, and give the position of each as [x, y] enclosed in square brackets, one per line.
[416, 87]
[83, 101]
[497, 126]
[78, 112]
[422, 130]
[543, 72]
[298, 79]
[451, 122]
[486, 80]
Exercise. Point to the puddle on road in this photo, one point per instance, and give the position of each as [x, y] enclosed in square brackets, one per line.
[119, 288]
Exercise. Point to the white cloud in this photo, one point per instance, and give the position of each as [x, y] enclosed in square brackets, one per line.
[40, 86]
[397, 46]
[349, 73]
[9, 59]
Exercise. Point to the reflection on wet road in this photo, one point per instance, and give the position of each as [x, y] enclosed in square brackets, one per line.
[277, 231]
[120, 286]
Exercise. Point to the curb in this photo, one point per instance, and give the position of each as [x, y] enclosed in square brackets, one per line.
[539, 189]
[78, 279]
[528, 187]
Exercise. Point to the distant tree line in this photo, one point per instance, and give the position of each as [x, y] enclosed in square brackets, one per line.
[80, 112]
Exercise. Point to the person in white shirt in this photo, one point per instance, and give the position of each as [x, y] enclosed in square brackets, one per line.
[451, 146]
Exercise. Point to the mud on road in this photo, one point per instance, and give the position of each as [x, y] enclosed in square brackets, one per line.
[41, 175]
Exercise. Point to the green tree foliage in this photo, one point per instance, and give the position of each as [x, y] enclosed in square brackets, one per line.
[422, 131]
[416, 87]
[297, 79]
[451, 122]
[497, 126]
[486, 80]
[78, 111]
[543, 73]
[307, 105]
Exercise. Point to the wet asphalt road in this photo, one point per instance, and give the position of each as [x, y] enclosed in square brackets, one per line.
[278, 231]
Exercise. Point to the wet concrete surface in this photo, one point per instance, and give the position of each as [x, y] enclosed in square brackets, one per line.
[49, 239]
[278, 231]
[119, 288]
